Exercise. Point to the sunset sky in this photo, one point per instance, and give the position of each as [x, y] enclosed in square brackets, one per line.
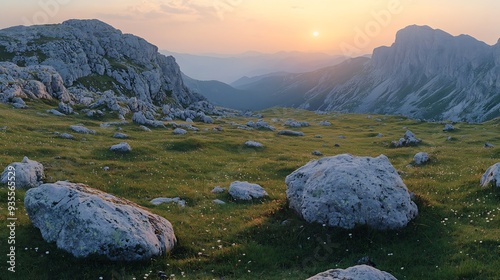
[236, 26]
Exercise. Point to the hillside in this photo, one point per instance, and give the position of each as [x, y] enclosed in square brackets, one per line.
[456, 232]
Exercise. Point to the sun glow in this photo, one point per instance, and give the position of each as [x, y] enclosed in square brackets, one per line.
[315, 34]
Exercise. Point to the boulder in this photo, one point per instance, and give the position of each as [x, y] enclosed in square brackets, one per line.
[291, 133]
[421, 158]
[122, 147]
[346, 191]
[82, 129]
[120, 135]
[179, 131]
[246, 191]
[253, 144]
[27, 174]
[490, 177]
[84, 221]
[358, 272]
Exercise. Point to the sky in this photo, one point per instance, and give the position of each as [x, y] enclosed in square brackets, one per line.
[348, 27]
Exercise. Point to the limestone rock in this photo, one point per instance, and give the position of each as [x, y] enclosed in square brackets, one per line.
[160, 200]
[67, 136]
[254, 144]
[218, 201]
[246, 191]
[317, 153]
[491, 176]
[421, 158]
[325, 123]
[120, 135]
[82, 129]
[294, 123]
[291, 133]
[179, 131]
[409, 139]
[218, 189]
[347, 191]
[85, 221]
[27, 174]
[122, 147]
[358, 272]
[55, 112]
[65, 108]
[145, 128]
[448, 127]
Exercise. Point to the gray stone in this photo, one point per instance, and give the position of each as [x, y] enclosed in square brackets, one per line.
[65, 108]
[85, 221]
[26, 174]
[491, 176]
[122, 147]
[421, 158]
[347, 191]
[291, 133]
[55, 112]
[409, 139]
[82, 129]
[218, 189]
[218, 201]
[145, 128]
[448, 127]
[160, 200]
[67, 136]
[254, 144]
[488, 145]
[179, 131]
[325, 123]
[246, 191]
[120, 135]
[358, 272]
[317, 153]
[295, 124]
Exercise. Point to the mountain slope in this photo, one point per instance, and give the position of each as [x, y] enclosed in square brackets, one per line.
[92, 56]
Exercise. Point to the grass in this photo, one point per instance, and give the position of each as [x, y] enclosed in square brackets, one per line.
[455, 236]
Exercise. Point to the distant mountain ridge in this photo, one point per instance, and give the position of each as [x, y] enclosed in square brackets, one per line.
[426, 73]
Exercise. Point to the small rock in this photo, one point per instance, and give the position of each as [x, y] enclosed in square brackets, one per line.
[65, 108]
[189, 120]
[179, 131]
[67, 136]
[218, 189]
[82, 129]
[421, 158]
[145, 128]
[122, 147]
[120, 135]
[358, 272]
[379, 135]
[218, 201]
[317, 136]
[253, 144]
[448, 127]
[488, 145]
[317, 153]
[160, 200]
[246, 191]
[342, 137]
[105, 168]
[325, 123]
[291, 133]
[55, 112]
[336, 145]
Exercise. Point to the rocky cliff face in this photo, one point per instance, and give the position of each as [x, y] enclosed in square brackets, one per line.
[426, 73]
[86, 58]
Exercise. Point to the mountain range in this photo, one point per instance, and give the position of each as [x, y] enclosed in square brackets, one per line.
[426, 73]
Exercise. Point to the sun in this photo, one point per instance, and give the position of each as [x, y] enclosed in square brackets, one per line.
[315, 34]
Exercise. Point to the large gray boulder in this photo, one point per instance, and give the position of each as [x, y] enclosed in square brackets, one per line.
[27, 174]
[490, 177]
[358, 272]
[347, 191]
[122, 147]
[246, 191]
[421, 158]
[85, 221]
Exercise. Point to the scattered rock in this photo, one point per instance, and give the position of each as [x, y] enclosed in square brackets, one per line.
[488, 145]
[18, 103]
[347, 191]
[122, 147]
[409, 139]
[295, 124]
[336, 145]
[218, 201]
[189, 120]
[67, 136]
[28, 174]
[120, 135]
[490, 177]
[141, 118]
[145, 128]
[253, 144]
[82, 129]
[65, 108]
[160, 200]
[341, 137]
[325, 123]
[317, 153]
[218, 189]
[105, 168]
[179, 131]
[449, 138]
[260, 124]
[55, 112]
[448, 127]
[85, 221]
[246, 191]
[379, 135]
[358, 272]
[421, 158]
[317, 136]
[291, 133]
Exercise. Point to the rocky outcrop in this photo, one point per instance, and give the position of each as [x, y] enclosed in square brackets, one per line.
[346, 191]
[26, 174]
[358, 272]
[85, 221]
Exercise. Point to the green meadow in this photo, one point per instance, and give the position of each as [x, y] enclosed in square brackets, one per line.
[455, 236]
